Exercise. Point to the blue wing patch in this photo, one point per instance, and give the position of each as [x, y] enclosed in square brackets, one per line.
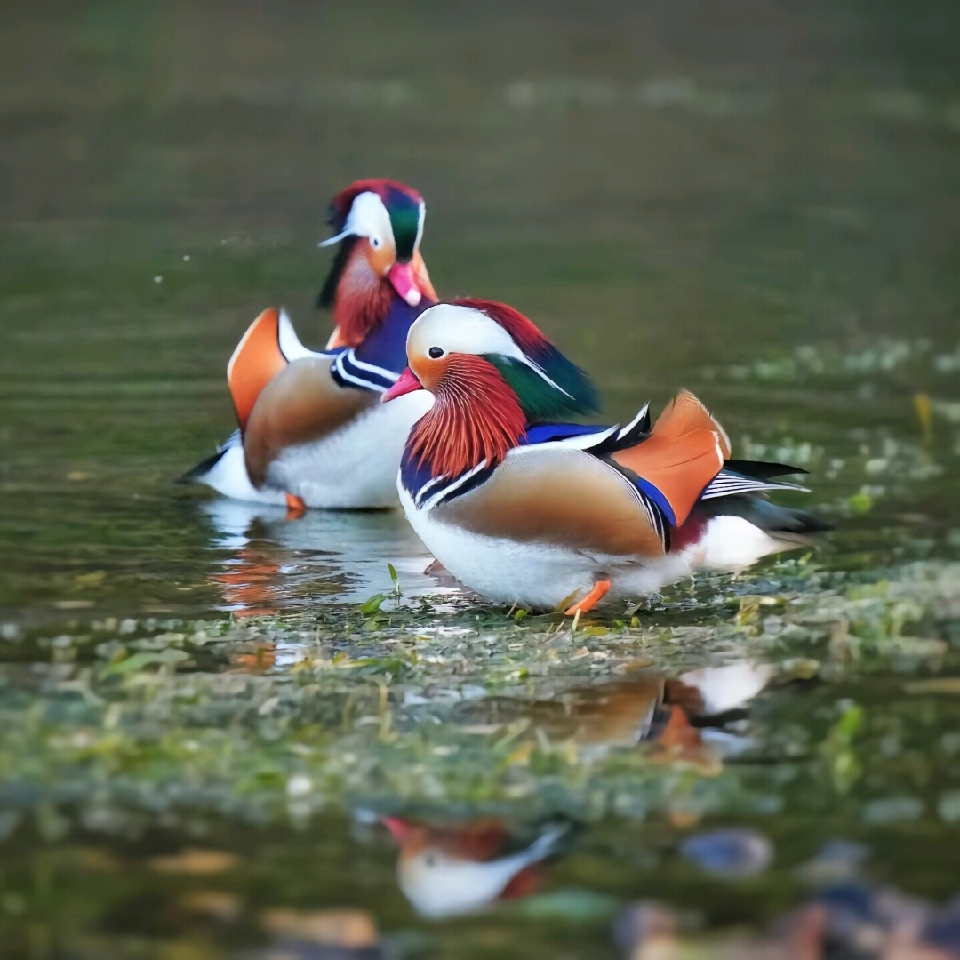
[548, 432]
[653, 494]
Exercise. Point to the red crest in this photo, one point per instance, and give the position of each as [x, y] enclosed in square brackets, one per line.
[343, 201]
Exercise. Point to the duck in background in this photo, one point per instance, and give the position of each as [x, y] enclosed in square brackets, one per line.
[311, 433]
[531, 511]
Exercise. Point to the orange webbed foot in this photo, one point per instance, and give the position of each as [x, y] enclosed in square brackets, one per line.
[295, 507]
[599, 591]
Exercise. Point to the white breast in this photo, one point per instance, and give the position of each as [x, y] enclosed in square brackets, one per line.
[537, 575]
[355, 467]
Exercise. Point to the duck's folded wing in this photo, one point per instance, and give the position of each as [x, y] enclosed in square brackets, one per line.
[562, 497]
[267, 347]
[302, 403]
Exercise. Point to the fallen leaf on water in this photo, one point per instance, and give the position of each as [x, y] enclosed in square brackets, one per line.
[342, 928]
[91, 579]
[566, 601]
[262, 658]
[218, 904]
[801, 669]
[147, 658]
[937, 685]
[90, 858]
[917, 646]
[924, 410]
[521, 755]
[194, 861]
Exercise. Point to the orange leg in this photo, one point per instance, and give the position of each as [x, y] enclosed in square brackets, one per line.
[295, 507]
[598, 592]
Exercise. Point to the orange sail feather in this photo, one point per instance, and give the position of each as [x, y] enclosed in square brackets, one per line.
[256, 361]
[684, 452]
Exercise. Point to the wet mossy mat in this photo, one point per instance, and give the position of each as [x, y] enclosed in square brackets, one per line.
[399, 705]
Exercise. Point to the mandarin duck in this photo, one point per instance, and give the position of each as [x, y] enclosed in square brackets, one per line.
[311, 433]
[464, 868]
[526, 510]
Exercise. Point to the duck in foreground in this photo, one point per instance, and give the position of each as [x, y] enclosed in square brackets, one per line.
[311, 433]
[531, 511]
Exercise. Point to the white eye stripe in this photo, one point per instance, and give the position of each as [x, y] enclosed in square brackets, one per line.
[460, 330]
[454, 329]
[543, 376]
[368, 217]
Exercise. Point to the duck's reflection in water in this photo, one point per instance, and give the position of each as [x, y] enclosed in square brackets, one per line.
[270, 563]
[454, 868]
[338, 934]
[247, 581]
[700, 715]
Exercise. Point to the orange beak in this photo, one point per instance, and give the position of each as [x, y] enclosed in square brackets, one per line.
[406, 383]
[404, 281]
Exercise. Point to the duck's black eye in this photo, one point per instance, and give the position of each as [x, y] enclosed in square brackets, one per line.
[435, 352]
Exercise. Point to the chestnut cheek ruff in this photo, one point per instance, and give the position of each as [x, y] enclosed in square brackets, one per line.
[476, 419]
[362, 299]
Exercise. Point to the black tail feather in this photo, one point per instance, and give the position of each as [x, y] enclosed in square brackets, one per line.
[768, 516]
[761, 470]
[202, 468]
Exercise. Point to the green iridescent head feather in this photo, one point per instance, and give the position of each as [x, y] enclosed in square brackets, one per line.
[558, 389]
[404, 212]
